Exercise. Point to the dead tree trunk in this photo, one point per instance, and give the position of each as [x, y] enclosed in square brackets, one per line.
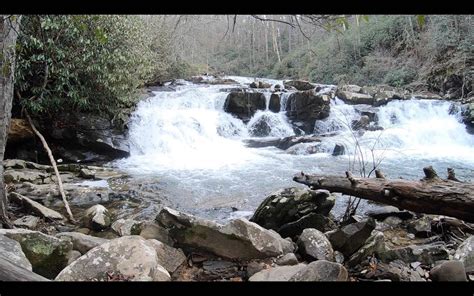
[430, 195]
[9, 26]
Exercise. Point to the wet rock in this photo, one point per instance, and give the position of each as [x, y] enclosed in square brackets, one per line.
[244, 104]
[298, 84]
[362, 123]
[305, 107]
[287, 142]
[130, 256]
[126, 227]
[350, 238]
[353, 98]
[260, 84]
[426, 254]
[25, 175]
[465, 254]
[47, 254]
[321, 271]
[82, 242]
[72, 256]
[339, 149]
[97, 218]
[151, 230]
[239, 239]
[29, 222]
[314, 245]
[168, 257]
[387, 211]
[289, 210]
[421, 227]
[274, 104]
[375, 244]
[449, 271]
[288, 259]
[277, 274]
[261, 127]
[383, 94]
[11, 250]
[35, 207]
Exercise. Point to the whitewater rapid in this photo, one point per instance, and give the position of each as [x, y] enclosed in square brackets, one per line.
[184, 141]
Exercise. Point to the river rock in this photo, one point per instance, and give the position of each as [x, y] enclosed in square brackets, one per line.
[375, 244]
[239, 239]
[274, 104]
[277, 274]
[97, 217]
[350, 238]
[72, 256]
[305, 107]
[339, 149]
[288, 210]
[82, 242]
[298, 84]
[29, 222]
[321, 271]
[131, 256]
[47, 254]
[35, 207]
[421, 227]
[383, 94]
[151, 230]
[351, 94]
[426, 95]
[259, 84]
[465, 254]
[126, 227]
[244, 104]
[287, 259]
[168, 257]
[314, 245]
[449, 271]
[362, 123]
[25, 175]
[11, 250]
[426, 254]
[260, 127]
[387, 211]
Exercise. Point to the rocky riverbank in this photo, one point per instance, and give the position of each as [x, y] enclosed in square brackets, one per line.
[292, 236]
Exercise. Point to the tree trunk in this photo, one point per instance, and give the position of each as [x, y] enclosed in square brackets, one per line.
[9, 26]
[430, 195]
[11, 272]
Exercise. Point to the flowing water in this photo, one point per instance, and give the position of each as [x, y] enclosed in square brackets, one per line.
[184, 143]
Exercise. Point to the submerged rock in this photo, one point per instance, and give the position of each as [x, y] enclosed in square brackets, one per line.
[321, 271]
[288, 211]
[239, 239]
[131, 256]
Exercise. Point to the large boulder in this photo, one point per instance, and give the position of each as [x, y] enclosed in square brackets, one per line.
[130, 256]
[97, 218]
[290, 209]
[449, 271]
[305, 107]
[47, 254]
[274, 104]
[321, 271]
[350, 238]
[11, 250]
[261, 127]
[82, 242]
[239, 239]
[426, 254]
[465, 254]
[353, 95]
[35, 207]
[299, 84]
[244, 104]
[314, 245]
[277, 274]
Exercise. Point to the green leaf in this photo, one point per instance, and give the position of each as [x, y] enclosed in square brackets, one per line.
[421, 20]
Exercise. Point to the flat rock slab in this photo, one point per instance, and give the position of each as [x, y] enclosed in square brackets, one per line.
[35, 207]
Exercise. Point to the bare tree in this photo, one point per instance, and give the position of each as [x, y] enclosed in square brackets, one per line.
[9, 26]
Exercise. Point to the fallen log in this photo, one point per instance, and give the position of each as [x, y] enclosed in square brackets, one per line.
[11, 272]
[430, 195]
